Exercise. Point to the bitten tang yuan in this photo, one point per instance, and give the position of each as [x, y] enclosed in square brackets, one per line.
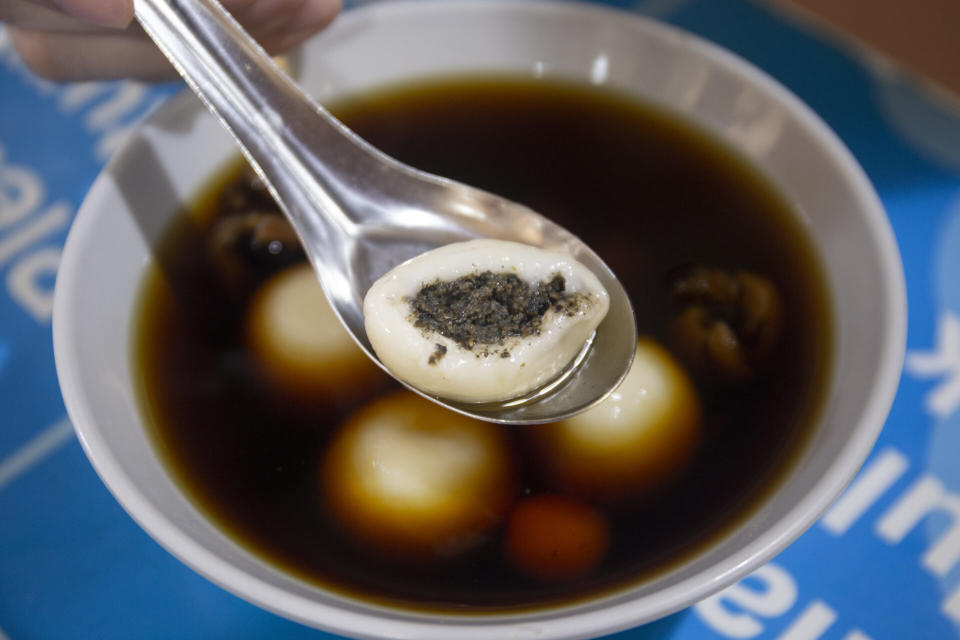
[483, 320]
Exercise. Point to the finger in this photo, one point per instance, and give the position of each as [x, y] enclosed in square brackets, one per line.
[106, 13]
[282, 24]
[38, 17]
[312, 17]
[65, 57]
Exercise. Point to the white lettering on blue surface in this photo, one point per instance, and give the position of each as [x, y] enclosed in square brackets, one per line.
[114, 107]
[865, 490]
[127, 97]
[741, 610]
[942, 362]
[24, 225]
[76, 96]
[951, 605]
[812, 623]
[40, 225]
[25, 285]
[35, 451]
[769, 593]
[923, 498]
[744, 609]
[21, 192]
[926, 496]
[111, 119]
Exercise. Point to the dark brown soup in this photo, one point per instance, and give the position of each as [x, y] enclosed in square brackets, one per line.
[701, 240]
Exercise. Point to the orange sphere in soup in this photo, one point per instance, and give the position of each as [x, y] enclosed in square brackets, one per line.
[553, 538]
[634, 443]
[404, 476]
[300, 343]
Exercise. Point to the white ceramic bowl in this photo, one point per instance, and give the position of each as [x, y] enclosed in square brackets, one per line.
[173, 155]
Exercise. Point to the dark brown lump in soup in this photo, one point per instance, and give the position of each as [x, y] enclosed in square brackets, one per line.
[721, 275]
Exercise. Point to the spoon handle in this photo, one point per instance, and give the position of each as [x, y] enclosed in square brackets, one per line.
[277, 125]
[357, 211]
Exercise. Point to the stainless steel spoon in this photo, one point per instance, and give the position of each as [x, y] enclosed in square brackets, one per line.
[358, 212]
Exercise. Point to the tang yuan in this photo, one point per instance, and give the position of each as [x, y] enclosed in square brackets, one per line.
[636, 442]
[483, 320]
[299, 343]
[414, 481]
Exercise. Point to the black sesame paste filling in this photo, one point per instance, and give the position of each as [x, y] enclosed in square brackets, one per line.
[481, 311]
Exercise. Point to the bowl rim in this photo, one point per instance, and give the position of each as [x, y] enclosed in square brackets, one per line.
[589, 617]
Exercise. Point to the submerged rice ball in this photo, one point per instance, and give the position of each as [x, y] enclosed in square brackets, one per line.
[404, 475]
[633, 443]
[294, 334]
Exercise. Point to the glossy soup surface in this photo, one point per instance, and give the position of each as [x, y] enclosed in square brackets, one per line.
[652, 195]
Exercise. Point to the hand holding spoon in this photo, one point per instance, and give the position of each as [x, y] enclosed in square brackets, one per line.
[359, 213]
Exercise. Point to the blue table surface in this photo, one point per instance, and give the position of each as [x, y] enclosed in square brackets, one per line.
[74, 565]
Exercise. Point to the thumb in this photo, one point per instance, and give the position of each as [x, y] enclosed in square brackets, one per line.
[106, 13]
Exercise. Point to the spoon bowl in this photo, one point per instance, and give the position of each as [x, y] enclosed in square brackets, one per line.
[359, 213]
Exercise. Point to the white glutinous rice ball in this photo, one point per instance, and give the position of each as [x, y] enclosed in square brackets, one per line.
[635, 442]
[300, 343]
[413, 481]
[454, 323]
